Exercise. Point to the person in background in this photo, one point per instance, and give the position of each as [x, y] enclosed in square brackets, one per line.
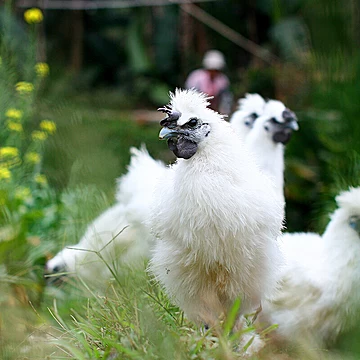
[212, 81]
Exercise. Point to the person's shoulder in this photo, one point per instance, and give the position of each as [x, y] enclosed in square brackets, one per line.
[195, 78]
[197, 72]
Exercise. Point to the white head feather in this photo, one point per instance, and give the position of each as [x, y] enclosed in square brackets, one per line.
[349, 200]
[251, 103]
[248, 106]
[192, 102]
[274, 108]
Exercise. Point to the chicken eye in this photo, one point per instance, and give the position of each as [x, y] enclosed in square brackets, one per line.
[354, 222]
[192, 122]
[274, 120]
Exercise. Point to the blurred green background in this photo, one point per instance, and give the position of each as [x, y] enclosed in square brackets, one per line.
[110, 68]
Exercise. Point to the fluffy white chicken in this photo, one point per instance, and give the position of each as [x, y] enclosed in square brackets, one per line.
[270, 132]
[132, 246]
[319, 297]
[249, 109]
[215, 215]
[133, 197]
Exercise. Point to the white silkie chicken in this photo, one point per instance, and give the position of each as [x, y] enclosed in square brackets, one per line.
[319, 295]
[133, 205]
[132, 246]
[215, 215]
[270, 133]
[249, 109]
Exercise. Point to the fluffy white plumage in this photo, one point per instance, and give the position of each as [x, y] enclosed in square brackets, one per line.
[134, 194]
[249, 109]
[260, 142]
[216, 218]
[319, 297]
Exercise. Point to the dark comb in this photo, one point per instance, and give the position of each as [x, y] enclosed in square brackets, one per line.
[289, 115]
[172, 115]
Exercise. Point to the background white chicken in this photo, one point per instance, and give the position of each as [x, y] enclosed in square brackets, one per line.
[215, 215]
[132, 246]
[319, 295]
[249, 109]
[270, 132]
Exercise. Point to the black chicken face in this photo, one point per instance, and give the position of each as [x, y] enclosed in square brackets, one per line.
[183, 139]
[56, 275]
[354, 222]
[282, 131]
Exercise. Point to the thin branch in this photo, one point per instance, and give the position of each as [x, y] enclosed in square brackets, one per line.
[229, 33]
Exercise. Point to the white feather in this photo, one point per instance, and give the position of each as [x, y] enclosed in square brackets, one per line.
[250, 104]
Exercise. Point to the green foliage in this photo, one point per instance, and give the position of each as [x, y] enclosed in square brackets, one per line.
[28, 205]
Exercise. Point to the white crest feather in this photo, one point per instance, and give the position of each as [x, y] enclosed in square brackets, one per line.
[251, 103]
[349, 199]
[191, 102]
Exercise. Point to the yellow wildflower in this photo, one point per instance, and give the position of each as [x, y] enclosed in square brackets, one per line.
[9, 152]
[32, 157]
[39, 135]
[5, 173]
[33, 16]
[14, 126]
[42, 69]
[24, 87]
[14, 114]
[40, 179]
[48, 126]
[22, 193]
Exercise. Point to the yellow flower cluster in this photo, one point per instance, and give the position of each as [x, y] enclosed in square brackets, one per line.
[5, 173]
[48, 126]
[33, 16]
[40, 179]
[14, 126]
[22, 193]
[9, 152]
[39, 135]
[42, 69]
[24, 87]
[32, 157]
[14, 114]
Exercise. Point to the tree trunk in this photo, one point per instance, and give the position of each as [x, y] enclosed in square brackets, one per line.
[77, 46]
